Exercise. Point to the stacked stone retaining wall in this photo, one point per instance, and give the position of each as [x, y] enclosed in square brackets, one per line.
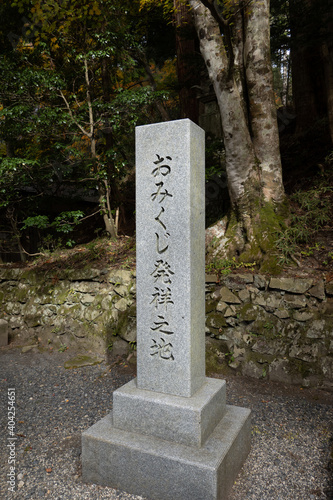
[263, 327]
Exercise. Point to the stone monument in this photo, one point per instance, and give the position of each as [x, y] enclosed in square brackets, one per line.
[170, 435]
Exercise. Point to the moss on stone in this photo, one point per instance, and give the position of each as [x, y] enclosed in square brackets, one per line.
[215, 360]
[215, 321]
[82, 360]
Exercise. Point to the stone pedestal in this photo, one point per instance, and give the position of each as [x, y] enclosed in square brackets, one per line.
[170, 435]
[172, 448]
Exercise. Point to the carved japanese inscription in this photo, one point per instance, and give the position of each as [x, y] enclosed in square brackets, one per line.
[162, 273]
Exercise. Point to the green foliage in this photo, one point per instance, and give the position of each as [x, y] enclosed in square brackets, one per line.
[225, 266]
[39, 221]
[311, 211]
[72, 89]
[63, 223]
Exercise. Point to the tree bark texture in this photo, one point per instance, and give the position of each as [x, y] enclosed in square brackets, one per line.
[234, 43]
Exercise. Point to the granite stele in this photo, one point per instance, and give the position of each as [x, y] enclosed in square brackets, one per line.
[170, 435]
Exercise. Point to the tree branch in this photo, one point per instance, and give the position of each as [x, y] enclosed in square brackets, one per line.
[70, 112]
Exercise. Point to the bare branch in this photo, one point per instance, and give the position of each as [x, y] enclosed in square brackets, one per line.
[70, 112]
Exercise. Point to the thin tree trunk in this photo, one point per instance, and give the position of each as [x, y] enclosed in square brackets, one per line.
[104, 188]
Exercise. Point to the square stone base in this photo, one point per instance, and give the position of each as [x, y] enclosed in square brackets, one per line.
[186, 421]
[164, 470]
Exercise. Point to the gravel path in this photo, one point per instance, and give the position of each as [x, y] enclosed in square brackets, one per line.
[291, 431]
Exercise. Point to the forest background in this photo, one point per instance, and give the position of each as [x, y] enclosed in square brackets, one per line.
[77, 77]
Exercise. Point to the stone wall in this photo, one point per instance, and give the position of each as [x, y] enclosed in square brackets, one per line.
[83, 308]
[273, 328]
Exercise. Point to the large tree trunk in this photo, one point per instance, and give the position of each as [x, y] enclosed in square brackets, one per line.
[239, 67]
[312, 62]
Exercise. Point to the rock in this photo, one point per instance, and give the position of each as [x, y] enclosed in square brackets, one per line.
[249, 313]
[3, 332]
[28, 348]
[228, 297]
[91, 313]
[318, 290]
[120, 277]
[221, 306]
[329, 288]
[216, 321]
[230, 311]
[119, 347]
[128, 330]
[238, 352]
[121, 290]
[328, 307]
[234, 365]
[243, 278]
[280, 371]
[294, 302]
[32, 320]
[327, 367]
[261, 346]
[210, 305]
[303, 316]
[259, 300]
[211, 278]
[316, 329]
[272, 302]
[260, 281]
[86, 274]
[83, 360]
[250, 369]
[308, 353]
[282, 313]
[84, 287]
[121, 305]
[238, 281]
[293, 285]
[87, 299]
[244, 295]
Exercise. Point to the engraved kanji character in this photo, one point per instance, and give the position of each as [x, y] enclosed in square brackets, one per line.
[160, 193]
[162, 271]
[159, 220]
[160, 324]
[158, 249]
[162, 297]
[161, 169]
[163, 350]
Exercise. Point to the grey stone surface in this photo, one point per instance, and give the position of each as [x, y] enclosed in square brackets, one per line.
[161, 470]
[318, 290]
[170, 200]
[3, 332]
[228, 297]
[182, 420]
[291, 284]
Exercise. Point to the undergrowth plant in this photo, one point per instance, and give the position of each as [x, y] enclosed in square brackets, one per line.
[225, 266]
[311, 211]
